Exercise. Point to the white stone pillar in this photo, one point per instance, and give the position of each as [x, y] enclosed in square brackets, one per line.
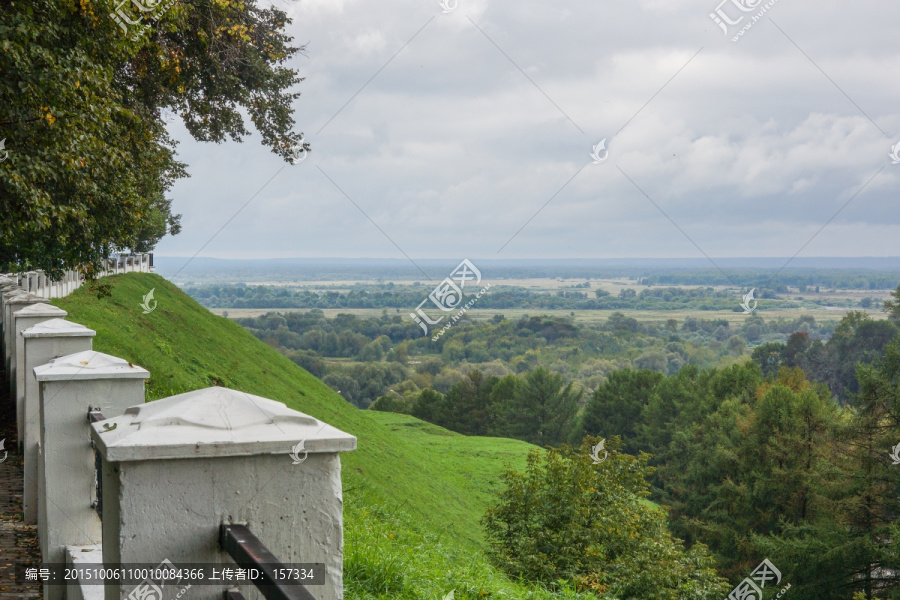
[14, 303]
[31, 281]
[43, 285]
[70, 387]
[6, 288]
[175, 469]
[24, 318]
[43, 342]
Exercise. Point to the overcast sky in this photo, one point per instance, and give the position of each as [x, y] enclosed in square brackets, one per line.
[478, 117]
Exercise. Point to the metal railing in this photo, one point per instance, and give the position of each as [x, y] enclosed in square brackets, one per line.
[249, 552]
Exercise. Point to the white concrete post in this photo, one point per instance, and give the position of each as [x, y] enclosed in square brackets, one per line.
[43, 342]
[5, 295]
[31, 278]
[14, 303]
[6, 288]
[70, 387]
[175, 469]
[26, 317]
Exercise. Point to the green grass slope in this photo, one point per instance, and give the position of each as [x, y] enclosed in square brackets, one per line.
[413, 492]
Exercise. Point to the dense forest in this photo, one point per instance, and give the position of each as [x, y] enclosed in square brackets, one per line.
[770, 439]
[366, 358]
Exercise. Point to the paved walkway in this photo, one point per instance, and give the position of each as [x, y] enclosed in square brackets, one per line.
[18, 542]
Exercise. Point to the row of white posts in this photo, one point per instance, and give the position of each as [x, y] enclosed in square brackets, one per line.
[165, 475]
[37, 282]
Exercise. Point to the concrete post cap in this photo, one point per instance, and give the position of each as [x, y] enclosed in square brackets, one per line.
[214, 422]
[23, 297]
[89, 365]
[40, 309]
[58, 328]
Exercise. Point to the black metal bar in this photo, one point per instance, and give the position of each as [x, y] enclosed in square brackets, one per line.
[232, 595]
[94, 416]
[249, 552]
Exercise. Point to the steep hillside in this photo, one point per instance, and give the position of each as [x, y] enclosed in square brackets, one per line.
[413, 492]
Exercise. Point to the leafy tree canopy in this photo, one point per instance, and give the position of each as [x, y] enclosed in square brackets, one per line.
[84, 101]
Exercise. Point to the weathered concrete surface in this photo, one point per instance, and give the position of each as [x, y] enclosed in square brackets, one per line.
[177, 468]
[25, 318]
[70, 387]
[43, 342]
[83, 556]
[13, 303]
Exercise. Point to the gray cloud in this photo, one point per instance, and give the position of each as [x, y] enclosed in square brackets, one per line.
[451, 149]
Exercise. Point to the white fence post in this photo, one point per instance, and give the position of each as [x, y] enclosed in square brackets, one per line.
[70, 387]
[229, 453]
[7, 288]
[13, 303]
[44, 341]
[25, 318]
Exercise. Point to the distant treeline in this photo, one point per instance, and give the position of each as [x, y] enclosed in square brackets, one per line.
[407, 297]
[740, 272]
[801, 279]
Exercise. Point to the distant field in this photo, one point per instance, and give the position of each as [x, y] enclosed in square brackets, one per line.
[613, 286]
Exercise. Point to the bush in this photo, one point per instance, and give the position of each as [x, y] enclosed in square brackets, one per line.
[569, 519]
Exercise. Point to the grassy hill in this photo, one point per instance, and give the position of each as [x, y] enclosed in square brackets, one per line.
[413, 492]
